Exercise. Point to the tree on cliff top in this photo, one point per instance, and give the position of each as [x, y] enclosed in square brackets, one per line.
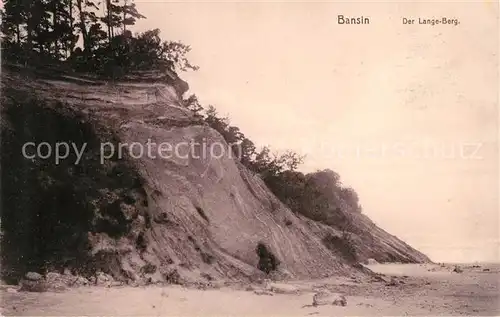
[42, 32]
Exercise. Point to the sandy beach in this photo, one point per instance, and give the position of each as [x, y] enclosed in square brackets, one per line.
[405, 289]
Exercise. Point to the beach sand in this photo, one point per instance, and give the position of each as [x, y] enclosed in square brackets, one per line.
[406, 289]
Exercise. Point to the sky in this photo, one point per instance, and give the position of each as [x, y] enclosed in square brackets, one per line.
[406, 114]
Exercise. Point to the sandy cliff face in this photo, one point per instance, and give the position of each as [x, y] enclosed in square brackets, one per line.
[351, 233]
[368, 241]
[183, 218]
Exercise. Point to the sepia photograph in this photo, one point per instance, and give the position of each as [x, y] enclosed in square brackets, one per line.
[249, 158]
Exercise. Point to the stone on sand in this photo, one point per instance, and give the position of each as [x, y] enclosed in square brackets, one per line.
[371, 261]
[33, 286]
[262, 292]
[33, 276]
[329, 298]
[281, 288]
[393, 282]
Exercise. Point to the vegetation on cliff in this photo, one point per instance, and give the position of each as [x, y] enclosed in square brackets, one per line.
[81, 36]
[319, 196]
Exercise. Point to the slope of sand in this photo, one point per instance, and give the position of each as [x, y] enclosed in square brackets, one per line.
[420, 289]
[194, 213]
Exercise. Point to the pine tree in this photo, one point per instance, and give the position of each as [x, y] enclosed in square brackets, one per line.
[112, 19]
[38, 27]
[62, 35]
[67, 31]
[87, 20]
[13, 18]
[120, 14]
[130, 14]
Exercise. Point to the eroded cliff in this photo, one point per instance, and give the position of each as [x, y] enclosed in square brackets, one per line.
[139, 216]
